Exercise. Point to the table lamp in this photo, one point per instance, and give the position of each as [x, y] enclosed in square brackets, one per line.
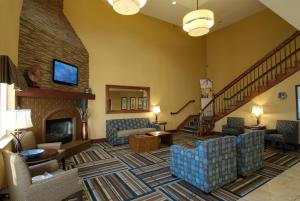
[16, 122]
[156, 111]
[257, 110]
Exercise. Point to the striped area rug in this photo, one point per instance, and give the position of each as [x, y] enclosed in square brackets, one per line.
[139, 160]
[116, 173]
[101, 167]
[117, 186]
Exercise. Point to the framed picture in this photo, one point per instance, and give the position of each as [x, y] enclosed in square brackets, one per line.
[298, 101]
[132, 103]
[145, 103]
[140, 103]
[123, 103]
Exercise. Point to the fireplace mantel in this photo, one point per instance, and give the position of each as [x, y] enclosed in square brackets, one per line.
[53, 93]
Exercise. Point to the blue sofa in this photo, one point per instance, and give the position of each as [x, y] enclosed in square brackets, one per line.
[210, 165]
[118, 130]
[250, 149]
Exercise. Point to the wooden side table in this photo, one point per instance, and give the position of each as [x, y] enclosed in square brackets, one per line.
[166, 137]
[161, 123]
[49, 154]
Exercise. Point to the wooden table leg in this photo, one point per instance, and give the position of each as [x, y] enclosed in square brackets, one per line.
[63, 161]
[167, 139]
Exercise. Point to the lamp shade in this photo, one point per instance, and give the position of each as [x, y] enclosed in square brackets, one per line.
[198, 22]
[156, 109]
[257, 110]
[18, 119]
[127, 7]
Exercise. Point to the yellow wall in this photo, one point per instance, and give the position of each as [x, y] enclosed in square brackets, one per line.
[232, 50]
[274, 108]
[9, 36]
[139, 51]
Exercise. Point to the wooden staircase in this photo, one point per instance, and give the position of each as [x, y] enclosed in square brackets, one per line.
[190, 124]
[273, 68]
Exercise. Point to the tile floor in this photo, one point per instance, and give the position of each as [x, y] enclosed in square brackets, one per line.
[285, 187]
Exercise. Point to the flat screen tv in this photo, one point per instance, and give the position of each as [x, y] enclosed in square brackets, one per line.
[64, 73]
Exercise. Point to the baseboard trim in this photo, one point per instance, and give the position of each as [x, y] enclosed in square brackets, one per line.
[98, 140]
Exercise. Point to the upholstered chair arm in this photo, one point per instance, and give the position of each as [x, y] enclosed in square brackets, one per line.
[225, 126]
[180, 157]
[111, 132]
[55, 188]
[271, 131]
[156, 126]
[50, 166]
[53, 145]
[197, 143]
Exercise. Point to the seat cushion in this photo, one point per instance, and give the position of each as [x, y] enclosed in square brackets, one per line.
[274, 137]
[230, 131]
[126, 133]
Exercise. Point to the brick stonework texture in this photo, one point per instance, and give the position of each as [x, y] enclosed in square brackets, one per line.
[46, 34]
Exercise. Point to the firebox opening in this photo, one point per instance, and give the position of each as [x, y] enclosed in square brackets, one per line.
[59, 130]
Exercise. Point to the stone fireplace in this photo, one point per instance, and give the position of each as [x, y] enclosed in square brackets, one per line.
[46, 34]
[48, 111]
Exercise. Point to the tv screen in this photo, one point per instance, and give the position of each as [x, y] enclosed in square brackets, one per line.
[64, 73]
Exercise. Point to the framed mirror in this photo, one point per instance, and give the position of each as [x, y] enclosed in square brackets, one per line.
[127, 99]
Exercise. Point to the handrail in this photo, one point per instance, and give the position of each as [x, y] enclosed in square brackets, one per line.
[262, 75]
[252, 70]
[185, 105]
[262, 60]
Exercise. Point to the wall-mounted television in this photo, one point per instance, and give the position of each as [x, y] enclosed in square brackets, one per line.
[64, 73]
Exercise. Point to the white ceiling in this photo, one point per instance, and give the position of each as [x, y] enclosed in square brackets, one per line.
[226, 11]
[287, 9]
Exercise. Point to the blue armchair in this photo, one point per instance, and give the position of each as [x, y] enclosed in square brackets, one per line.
[286, 132]
[250, 149]
[234, 126]
[118, 130]
[210, 165]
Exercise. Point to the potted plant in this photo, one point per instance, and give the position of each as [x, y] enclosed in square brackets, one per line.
[82, 109]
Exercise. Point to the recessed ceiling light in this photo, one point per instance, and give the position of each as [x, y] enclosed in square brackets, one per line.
[174, 2]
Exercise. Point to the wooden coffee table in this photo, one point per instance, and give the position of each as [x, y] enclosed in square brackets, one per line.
[143, 143]
[49, 154]
[166, 137]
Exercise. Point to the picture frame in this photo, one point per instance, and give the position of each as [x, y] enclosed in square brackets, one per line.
[123, 103]
[140, 103]
[132, 103]
[145, 103]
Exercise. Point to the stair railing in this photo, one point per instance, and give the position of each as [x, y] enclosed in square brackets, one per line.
[256, 79]
[185, 105]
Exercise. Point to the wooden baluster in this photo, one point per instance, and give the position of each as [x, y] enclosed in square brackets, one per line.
[285, 57]
[295, 52]
[290, 54]
[296, 48]
[280, 65]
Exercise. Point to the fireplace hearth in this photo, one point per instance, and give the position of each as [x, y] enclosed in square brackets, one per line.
[59, 130]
